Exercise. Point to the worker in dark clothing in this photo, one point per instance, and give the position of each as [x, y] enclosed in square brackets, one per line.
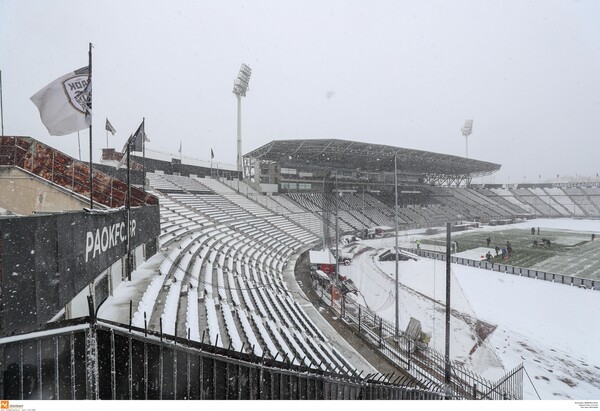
[488, 241]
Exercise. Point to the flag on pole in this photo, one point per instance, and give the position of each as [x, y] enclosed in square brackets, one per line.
[179, 147]
[109, 127]
[212, 154]
[136, 141]
[125, 154]
[65, 105]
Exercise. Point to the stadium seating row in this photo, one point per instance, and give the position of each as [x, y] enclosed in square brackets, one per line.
[222, 280]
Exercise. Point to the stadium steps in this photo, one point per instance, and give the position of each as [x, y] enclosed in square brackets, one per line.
[500, 208]
[510, 208]
[510, 198]
[593, 195]
[527, 197]
[565, 201]
[546, 198]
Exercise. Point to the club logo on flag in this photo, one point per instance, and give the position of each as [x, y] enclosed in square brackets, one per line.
[79, 92]
[65, 105]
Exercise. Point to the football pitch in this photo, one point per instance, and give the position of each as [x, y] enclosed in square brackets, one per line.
[565, 252]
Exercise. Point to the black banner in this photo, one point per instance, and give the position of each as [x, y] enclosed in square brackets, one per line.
[48, 259]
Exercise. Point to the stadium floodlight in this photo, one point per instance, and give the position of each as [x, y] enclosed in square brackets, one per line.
[240, 87]
[467, 129]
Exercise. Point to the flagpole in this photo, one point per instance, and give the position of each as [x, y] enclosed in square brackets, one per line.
[1, 105]
[127, 208]
[79, 145]
[90, 114]
[144, 152]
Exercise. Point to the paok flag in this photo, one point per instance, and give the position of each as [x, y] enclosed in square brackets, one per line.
[109, 127]
[65, 105]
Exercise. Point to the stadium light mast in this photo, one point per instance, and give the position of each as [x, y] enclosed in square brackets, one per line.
[240, 87]
[467, 129]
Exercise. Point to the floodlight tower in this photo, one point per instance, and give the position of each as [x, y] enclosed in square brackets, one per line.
[467, 129]
[240, 87]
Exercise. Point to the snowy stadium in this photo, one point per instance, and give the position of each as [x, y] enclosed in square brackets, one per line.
[276, 282]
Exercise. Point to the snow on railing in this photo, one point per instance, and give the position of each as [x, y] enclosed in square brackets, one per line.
[331, 357]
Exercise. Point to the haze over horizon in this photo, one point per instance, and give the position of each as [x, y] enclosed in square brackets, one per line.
[388, 72]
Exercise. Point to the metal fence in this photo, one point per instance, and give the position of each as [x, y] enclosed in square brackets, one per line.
[509, 269]
[81, 360]
[423, 363]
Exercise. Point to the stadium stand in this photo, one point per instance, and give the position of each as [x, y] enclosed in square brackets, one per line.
[224, 243]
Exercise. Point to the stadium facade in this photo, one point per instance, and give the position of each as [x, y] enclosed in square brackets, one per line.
[302, 165]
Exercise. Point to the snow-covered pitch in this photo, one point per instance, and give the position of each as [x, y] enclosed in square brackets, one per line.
[503, 319]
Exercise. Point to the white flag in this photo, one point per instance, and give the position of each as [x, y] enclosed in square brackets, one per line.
[65, 104]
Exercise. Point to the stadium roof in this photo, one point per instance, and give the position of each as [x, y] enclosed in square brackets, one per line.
[346, 154]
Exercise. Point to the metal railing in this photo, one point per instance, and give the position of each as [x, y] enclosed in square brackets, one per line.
[509, 269]
[423, 363]
[79, 359]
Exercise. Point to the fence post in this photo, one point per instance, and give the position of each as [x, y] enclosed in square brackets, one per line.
[380, 331]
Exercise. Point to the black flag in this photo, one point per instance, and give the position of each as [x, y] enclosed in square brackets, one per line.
[136, 141]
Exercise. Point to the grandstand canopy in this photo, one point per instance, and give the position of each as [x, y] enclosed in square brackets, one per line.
[346, 154]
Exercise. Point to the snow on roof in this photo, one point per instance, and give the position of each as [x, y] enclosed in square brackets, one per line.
[321, 257]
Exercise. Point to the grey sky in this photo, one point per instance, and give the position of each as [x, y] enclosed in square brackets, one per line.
[405, 73]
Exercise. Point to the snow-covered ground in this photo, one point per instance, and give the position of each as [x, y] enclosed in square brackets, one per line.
[551, 328]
